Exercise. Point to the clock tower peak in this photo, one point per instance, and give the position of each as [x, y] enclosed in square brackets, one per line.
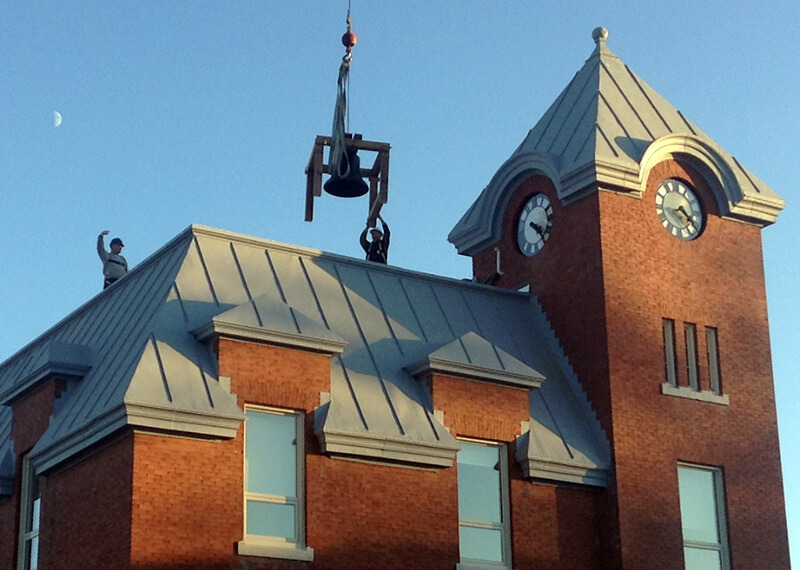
[606, 131]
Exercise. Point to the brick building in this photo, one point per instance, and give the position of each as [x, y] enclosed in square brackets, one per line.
[599, 396]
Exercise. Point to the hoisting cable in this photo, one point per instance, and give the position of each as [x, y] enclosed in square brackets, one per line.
[338, 160]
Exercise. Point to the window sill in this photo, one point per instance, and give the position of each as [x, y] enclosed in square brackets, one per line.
[478, 565]
[273, 550]
[686, 392]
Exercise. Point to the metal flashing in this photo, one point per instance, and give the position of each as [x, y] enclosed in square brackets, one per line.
[271, 321]
[7, 455]
[472, 357]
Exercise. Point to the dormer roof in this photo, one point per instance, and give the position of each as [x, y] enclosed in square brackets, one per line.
[607, 129]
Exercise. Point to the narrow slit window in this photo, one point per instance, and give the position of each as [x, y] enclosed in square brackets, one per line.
[29, 518]
[712, 341]
[669, 351]
[690, 329]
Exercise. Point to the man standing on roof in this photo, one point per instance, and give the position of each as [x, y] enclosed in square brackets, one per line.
[378, 249]
[114, 265]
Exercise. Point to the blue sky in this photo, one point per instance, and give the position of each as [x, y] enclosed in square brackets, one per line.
[205, 112]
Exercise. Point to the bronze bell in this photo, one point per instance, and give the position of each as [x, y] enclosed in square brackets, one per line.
[351, 185]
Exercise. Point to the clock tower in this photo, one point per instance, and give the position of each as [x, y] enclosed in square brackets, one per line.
[641, 238]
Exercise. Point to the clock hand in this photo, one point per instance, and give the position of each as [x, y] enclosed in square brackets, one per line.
[686, 218]
[537, 228]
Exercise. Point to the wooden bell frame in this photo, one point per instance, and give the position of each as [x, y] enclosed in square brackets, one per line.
[378, 175]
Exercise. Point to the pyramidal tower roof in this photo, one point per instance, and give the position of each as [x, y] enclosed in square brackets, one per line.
[607, 129]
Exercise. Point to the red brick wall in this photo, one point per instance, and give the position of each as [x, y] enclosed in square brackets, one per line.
[716, 280]
[31, 415]
[86, 512]
[479, 409]
[187, 508]
[606, 278]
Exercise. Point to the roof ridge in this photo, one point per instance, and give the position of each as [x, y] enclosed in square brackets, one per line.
[308, 252]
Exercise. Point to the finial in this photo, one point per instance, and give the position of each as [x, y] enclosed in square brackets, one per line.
[600, 35]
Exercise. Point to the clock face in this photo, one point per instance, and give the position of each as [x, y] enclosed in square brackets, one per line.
[679, 209]
[534, 225]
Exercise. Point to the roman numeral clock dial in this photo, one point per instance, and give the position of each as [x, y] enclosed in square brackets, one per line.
[535, 222]
[679, 209]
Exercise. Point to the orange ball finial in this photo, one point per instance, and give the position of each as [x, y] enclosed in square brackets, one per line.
[349, 39]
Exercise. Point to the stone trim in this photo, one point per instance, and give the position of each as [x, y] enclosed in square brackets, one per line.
[217, 329]
[384, 448]
[701, 396]
[183, 421]
[429, 366]
[265, 549]
[178, 422]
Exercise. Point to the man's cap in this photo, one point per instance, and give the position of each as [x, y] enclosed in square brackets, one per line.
[117, 240]
[376, 230]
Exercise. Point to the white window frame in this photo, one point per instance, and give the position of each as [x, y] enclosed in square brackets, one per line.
[505, 513]
[720, 513]
[31, 492]
[275, 546]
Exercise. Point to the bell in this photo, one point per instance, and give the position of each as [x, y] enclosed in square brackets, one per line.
[351, 185]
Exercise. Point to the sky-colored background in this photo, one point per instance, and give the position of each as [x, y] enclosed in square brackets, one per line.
[205, 112]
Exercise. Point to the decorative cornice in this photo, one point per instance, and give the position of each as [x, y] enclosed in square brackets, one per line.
[170, 420]
[143, 416]
[428, 366]
[472, 233]
[218, 328]
[388, 449]
[547, 469]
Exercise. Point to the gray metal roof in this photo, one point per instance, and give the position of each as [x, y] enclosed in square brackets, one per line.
[608, 128]
[151, 367]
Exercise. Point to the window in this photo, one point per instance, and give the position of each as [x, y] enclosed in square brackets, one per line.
[713, 360]
[30, 508]
[690, 330]
[703, 521]
[483, 514]
[690, 387]
[274, 484]
[669, 350]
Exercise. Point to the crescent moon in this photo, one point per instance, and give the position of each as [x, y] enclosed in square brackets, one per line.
[56, 118]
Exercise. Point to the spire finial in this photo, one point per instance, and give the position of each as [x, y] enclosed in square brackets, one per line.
[600, 35]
